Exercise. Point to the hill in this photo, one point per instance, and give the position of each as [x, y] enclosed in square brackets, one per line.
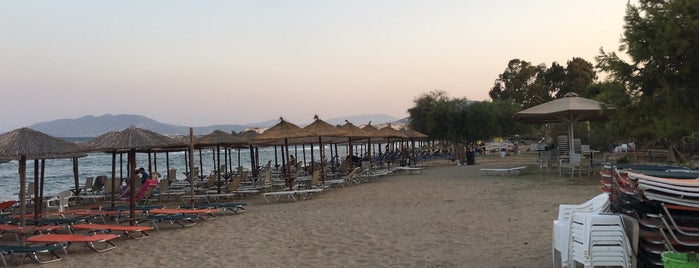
[93, 126]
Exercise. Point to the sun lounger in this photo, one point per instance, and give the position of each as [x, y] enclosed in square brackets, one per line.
[292, 195]
[183, 220]
[225, 207]
[410, 170]
[503, 171]
[68, 239]
[126, 231]
[31, 252]
[17, 230]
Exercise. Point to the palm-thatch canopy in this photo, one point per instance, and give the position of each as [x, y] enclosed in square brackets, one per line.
[372, 130]
[355, 132]
[33, 144]
[248, 136]
[322, 128]
[283, 130]
[131, 138]
[413, 134]
[219, 137]
[390, 132]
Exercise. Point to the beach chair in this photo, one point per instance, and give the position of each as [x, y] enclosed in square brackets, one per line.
[6, 206]
[90, 241]
[31, 252]
[88, 185]
[135, 232]
[346, 180]
[60, 201]
[570, 165]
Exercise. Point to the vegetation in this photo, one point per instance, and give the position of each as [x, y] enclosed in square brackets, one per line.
[654, 93]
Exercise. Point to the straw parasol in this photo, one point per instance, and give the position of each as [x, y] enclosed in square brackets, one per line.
[284, 131]
[569, 109]
[322, 129]
[356, 133]
[132, 140]
[374, 133]
[389, 132]
[25, 143]
[412, 136]
[217, 138]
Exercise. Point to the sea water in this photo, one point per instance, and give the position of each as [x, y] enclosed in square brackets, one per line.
[59, 176]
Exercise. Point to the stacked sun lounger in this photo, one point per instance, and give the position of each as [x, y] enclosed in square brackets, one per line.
[665, 202]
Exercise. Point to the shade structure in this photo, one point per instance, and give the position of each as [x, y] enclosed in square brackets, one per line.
[569, 109]
[132, 140]
[390, 132]
[33, 144]
[354, 133]
[413, 134]
[216, 139]
[322, 129]
[219, 137]
[284, 131]
[25, 143]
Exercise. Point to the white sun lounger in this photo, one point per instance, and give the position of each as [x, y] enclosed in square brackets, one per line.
[292, 195]
[503, 171]
[410, 170]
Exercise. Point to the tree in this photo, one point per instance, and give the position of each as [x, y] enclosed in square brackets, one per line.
[516, 83]
[530, 85]
[579, 74]
[423, 105]
[662, 78]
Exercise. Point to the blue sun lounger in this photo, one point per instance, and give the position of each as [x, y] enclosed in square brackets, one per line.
[31, 252]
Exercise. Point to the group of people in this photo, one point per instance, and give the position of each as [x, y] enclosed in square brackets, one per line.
[147, 182]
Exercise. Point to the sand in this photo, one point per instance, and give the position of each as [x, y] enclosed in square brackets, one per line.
[449, 216]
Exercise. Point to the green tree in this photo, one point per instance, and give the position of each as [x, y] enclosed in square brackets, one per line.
[579, 74]
[661, 79]
[424, 104]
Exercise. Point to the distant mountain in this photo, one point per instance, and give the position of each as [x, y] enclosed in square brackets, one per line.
[93, 126]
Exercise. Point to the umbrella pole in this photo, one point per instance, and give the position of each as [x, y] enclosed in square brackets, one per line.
[201, 166]
[132, 187]
[113, 178]
[191, 163]
[239, 157]
[22, 191]
[167, 164]
[218, 169]
[322, 159]
[288, 167]
[155, 161]
[150, 163]
[37, 208]
[76, 174]
[276, 162]
[303, 150]
[349, 153]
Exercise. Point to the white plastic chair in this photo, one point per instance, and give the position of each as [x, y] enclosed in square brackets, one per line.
[561, 226]
[60, 201]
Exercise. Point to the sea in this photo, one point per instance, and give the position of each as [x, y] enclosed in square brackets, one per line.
[58, 173]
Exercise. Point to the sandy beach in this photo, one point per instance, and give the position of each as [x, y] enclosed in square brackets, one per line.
[449, 216]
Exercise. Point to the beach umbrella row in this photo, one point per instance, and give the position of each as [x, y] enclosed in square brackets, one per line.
[24, 143]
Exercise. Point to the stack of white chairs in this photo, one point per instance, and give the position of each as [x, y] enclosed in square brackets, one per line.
[600, 240]
[561, 226]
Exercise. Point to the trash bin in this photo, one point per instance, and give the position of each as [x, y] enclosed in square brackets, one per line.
[680, 260]
[470, 158]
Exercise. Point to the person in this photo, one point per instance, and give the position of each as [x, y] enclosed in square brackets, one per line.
[144, 175]
[126, 187]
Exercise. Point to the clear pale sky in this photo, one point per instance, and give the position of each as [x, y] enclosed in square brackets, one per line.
[198, 63]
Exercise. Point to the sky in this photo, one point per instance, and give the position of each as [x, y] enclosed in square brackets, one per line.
[200, 63]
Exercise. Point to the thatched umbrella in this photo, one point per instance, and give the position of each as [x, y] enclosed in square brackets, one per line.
[322, 129]
[354, 133]
[24, 143]
[412, 136]
[247, 138]
[284, 131]
[132, 140]
[216, 139]
[389, 132]
[373, 133]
